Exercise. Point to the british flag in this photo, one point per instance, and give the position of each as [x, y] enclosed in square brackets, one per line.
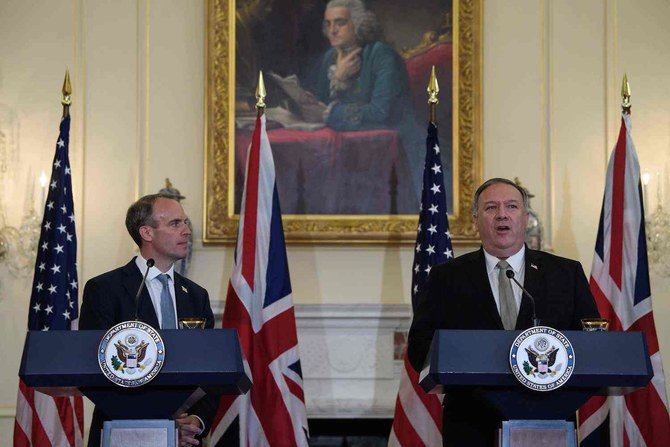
[418, 416]
[259, 305]
[43, 420]
[620, 284]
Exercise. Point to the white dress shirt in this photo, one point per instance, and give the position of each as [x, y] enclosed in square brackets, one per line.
[155, 287]
[517, 263]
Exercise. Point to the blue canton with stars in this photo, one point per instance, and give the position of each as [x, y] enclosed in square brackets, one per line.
[433, 239]
[53, 301]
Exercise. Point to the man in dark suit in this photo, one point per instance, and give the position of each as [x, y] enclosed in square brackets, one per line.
[473, 292]
[158, 225]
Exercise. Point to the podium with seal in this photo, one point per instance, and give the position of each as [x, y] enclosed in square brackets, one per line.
[538, 378]
[192, 363]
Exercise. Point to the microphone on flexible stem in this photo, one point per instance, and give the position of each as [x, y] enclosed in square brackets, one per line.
[510, 275]
[150, 263]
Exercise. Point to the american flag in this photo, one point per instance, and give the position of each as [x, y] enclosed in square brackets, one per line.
[43, 420]
[418, 416]
[620, 284]
[260, 306]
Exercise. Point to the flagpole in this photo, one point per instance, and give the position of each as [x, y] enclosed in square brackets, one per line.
[433, 89]
[42, 419]
[411, 426]
[67, 92]
[260, 94]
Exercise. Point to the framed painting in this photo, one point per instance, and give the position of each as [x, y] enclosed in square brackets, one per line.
[346, 113]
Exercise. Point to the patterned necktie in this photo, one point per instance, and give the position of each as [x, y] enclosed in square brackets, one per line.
[167, 310]
[508, 310]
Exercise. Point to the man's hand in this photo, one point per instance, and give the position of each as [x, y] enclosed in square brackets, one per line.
[347, 65]
[189, 427]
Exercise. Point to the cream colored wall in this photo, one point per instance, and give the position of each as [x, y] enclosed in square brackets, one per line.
[552, 72]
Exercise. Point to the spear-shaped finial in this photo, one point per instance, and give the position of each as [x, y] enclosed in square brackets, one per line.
[625, 94]
[433, 89]
[260, 94]
[67, 90]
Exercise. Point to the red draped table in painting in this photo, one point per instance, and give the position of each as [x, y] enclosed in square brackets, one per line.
[329, 172]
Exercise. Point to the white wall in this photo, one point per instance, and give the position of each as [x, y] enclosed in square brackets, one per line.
[552, 73]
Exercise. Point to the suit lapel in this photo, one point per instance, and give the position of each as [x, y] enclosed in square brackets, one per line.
[481, 287]
[182, 297]
[532, 282]
[131, 282]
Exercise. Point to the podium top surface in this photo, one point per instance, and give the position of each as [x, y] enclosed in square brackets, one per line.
[612, 362]
[198, 357]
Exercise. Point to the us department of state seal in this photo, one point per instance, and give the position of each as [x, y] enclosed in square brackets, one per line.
[542, 358]
[131, 354]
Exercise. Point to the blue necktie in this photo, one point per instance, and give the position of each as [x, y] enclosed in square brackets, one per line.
[167, 310]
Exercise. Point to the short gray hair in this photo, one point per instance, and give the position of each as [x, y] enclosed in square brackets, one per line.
[141, 213]
[495, 181]
[366, 25]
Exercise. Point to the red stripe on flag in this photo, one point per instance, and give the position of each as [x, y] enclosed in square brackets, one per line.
[38, 436]
[20, 438]
[283, 324]
[591, 407]
[225, 403]
[235, 316]
[643, 324]
[605, 308]
[618, 180]
[403, 428]
[269, 406]
[294, 388]
[251, 207]
[66, 416]
[430, 401]
[650, 415]
[79, 412]
[646, 325]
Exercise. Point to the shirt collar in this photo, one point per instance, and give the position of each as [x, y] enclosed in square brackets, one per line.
[153, 271]
[515, 261]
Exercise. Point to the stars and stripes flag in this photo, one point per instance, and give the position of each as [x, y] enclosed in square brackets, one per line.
[43, 420]
[260, 306]
[620, 284]
[418, 416]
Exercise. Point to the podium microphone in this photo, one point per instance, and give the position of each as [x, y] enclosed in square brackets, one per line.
[510, 275]
[150, 263]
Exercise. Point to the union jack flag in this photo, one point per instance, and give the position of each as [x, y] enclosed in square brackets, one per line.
[259, 305]
[43, 420]
[418, 416]
[620, 284]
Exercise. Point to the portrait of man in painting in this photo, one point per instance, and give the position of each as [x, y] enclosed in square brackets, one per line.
[346, 100]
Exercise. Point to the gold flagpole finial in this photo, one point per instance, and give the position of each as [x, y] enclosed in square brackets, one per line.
[67, 90]
[433, 89]
[625, 94]
[260, 94]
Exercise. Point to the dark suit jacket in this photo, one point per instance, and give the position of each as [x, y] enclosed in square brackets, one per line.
[458, 296]
[110, 299]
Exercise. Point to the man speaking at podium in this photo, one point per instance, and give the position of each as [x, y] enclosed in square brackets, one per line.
[158, 225]
[474, 291]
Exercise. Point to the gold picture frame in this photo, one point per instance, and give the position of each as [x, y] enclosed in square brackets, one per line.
[219, 220]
